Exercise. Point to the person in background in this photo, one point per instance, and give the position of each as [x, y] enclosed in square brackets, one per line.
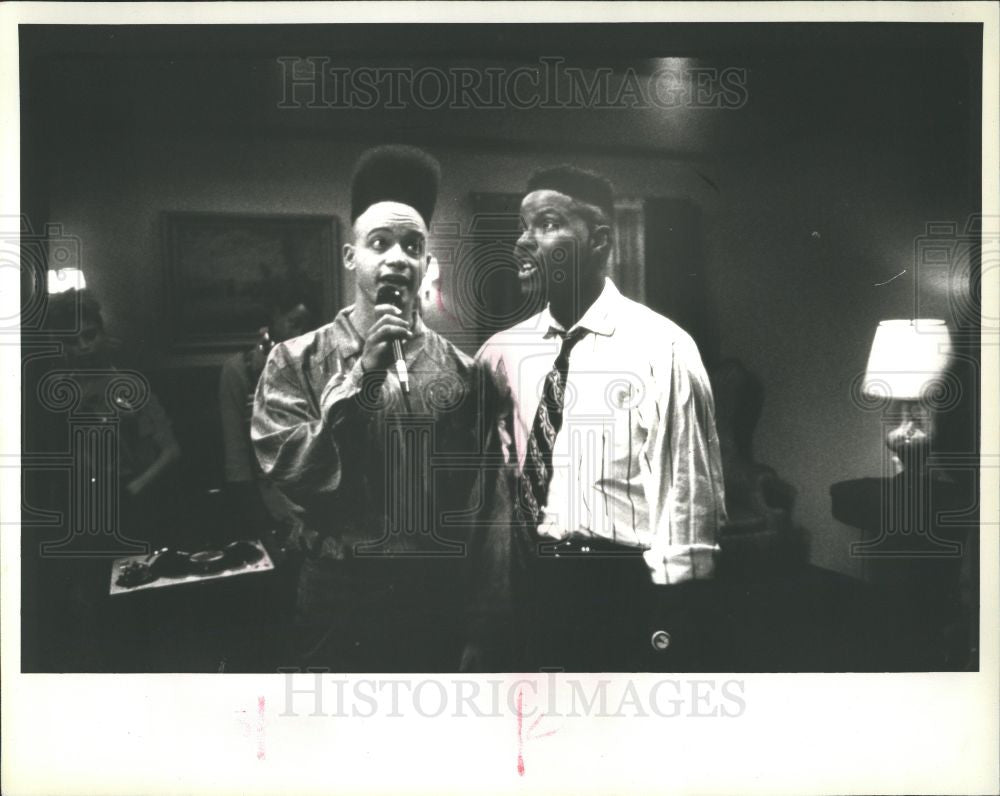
[74, 630]
[621, 476]
[148, 451]
[253, 506]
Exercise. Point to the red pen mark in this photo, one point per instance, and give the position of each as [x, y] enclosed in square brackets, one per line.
[520, 737]
[260, 728]
[256, 726]
[531, 734]
[535, 723]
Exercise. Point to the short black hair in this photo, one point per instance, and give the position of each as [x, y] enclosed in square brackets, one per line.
[396, 173]
[582, 185]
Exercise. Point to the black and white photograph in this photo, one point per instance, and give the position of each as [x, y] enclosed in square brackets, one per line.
[521, 376]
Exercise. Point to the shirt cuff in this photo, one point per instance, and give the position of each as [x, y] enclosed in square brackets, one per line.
[550, 529]
[679, 563]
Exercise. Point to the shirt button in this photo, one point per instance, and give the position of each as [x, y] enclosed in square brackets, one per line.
[660, 640]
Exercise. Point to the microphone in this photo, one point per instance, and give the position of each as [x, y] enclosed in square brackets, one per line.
[388, 294]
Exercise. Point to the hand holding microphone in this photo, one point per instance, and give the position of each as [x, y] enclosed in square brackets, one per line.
[387, 294]
[385, 336]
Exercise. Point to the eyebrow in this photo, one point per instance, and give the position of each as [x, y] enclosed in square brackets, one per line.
[409, 230]
[542, 210]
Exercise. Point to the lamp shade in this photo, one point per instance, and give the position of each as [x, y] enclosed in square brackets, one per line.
[63, 279]
[906, 357]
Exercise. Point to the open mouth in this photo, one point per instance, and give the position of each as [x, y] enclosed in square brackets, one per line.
[527, 269]
[396, 280]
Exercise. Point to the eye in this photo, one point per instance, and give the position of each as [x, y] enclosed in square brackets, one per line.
[413, 245]
[378, 242]
[548, 224]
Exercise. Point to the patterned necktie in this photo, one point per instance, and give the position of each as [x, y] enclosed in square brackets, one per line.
[534, 482]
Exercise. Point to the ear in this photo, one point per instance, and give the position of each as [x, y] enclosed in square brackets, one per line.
[600, 241]
[349, 256]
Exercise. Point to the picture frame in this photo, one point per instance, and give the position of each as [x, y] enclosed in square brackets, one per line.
[223, 269]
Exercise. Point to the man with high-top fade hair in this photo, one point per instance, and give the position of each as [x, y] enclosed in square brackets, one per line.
[384, 477]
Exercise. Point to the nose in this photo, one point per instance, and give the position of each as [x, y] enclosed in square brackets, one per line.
[525, 240]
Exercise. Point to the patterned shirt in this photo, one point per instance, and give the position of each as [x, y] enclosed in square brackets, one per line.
[362, 470]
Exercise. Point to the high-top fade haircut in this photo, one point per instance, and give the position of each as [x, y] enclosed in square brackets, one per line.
[583, 186]
[396, 173]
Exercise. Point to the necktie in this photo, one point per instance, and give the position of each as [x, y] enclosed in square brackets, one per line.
[534, 483]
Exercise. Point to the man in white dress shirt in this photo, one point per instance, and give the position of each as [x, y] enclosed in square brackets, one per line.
[621, 488]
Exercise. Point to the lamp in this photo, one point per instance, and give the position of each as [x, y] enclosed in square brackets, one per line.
[62, 279]
[915, 550]
[905, 369]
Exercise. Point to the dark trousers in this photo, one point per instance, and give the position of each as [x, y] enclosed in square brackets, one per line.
[599, 611]
[377, 614]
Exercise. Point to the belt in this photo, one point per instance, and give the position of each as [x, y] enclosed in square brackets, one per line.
[586, 546]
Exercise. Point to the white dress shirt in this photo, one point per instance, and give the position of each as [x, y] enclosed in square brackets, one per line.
[637, 460]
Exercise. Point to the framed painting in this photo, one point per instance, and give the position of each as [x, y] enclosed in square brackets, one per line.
[223, 269]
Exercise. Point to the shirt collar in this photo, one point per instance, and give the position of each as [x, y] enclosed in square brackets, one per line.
[599, 317]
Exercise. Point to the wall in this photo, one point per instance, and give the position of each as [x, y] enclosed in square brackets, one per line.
[813, 245]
